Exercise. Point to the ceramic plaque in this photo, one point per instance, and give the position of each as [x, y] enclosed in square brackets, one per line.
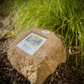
[31, 43]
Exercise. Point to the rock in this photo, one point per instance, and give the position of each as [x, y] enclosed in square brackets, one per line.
[43, 62]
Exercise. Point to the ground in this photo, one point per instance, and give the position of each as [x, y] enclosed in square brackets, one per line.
[64, 74]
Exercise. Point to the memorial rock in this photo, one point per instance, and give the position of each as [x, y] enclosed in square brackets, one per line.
[36, 54]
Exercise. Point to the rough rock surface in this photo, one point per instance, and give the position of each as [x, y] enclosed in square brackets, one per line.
[43, 62]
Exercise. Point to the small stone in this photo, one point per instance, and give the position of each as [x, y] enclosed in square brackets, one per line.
[14, 82]
[56, 73]
[43, 62]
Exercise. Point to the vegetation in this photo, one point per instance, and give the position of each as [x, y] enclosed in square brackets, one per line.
[65, 17]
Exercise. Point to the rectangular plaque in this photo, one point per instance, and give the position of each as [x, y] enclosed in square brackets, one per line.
[31, 43]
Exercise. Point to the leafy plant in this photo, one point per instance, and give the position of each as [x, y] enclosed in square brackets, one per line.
[60, 16]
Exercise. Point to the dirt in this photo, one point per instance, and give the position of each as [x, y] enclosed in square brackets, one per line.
[67, 73]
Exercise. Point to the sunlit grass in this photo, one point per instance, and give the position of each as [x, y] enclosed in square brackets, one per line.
[65, 17]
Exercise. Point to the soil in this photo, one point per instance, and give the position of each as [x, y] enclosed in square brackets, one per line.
[67, 73]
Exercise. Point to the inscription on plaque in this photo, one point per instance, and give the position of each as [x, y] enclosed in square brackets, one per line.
[31, 43]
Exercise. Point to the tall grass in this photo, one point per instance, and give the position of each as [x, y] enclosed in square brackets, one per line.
[60, 16]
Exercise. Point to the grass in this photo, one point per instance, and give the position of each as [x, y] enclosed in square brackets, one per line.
[65, 17]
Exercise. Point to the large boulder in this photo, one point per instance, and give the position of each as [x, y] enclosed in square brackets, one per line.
[43, 62]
